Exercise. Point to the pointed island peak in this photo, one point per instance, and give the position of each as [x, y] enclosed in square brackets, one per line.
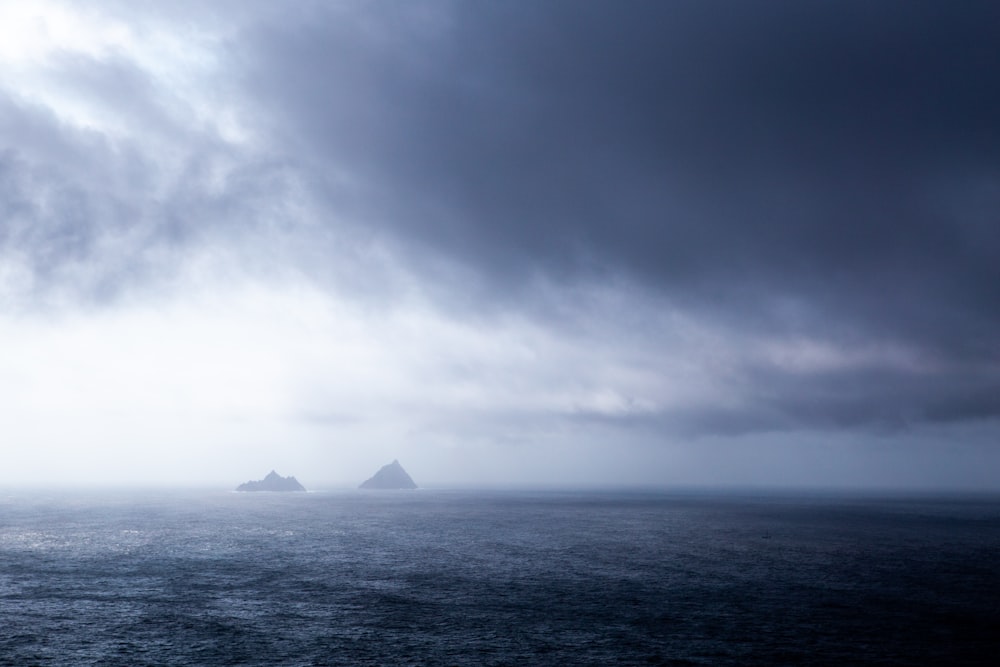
[273, 482]
[391, 476]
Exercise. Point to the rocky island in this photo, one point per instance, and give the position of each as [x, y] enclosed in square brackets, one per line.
[273, 482]
[390, 476]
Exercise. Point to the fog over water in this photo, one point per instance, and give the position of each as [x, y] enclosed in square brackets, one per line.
[527, 244]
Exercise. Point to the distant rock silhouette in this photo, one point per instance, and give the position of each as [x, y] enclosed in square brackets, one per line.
[390, 476]
[273, 482]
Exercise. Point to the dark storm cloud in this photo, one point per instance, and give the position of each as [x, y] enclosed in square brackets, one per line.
[786, 168]
[98, 213]
[49, 217]
[889, 401]
[839, 153]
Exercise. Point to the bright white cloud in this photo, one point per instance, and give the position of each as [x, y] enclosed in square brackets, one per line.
[52, 55]
[222, 367]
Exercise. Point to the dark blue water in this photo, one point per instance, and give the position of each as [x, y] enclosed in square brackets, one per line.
[449, 578]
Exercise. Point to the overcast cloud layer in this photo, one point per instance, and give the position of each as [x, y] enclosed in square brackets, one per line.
[523, 242]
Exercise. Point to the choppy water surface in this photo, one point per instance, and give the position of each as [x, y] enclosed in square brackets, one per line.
[450, 578]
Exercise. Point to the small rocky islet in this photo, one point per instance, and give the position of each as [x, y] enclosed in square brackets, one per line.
[272, 482]
[391, 476]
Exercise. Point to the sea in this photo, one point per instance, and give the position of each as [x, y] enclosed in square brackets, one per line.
[446, 577]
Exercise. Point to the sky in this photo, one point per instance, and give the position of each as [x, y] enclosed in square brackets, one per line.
[554, 242]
